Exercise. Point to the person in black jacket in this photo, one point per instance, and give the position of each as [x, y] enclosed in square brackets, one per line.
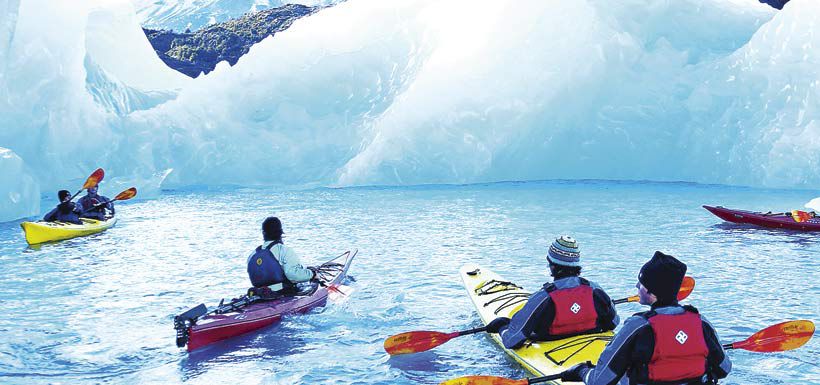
[66, 211]
[670, 344]
[570, 305]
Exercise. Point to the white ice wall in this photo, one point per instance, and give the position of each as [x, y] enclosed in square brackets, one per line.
[422, 91]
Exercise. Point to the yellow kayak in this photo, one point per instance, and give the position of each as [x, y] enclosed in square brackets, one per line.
[39, 232]
[495, 297]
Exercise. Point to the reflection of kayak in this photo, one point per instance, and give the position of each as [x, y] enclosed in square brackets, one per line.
[199, 327]
[494, 297]
[778, 220]
[39, 232]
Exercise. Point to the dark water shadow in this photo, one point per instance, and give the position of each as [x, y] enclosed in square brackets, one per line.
[269, 342]
[805, 238]
[428, 361]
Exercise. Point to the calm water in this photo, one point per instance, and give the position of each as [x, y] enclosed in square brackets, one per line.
[99, 309]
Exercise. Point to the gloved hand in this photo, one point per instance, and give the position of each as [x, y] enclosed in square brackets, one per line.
[495, 325]
[315, 273]
[573, 374]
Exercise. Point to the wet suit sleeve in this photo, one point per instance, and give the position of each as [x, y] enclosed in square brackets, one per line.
[719, 362]
[608, 317]
[616, 358]
[51, 216]
[526, 320]
[293, 267]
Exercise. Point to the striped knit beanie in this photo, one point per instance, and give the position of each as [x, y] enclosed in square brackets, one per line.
[564, 251]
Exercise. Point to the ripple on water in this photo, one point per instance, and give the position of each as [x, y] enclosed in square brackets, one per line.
[100, 308]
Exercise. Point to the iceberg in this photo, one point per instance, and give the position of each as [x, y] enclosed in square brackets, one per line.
[424, 91]
[19, 192]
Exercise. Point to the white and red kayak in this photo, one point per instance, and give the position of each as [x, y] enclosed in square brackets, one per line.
[199, 327]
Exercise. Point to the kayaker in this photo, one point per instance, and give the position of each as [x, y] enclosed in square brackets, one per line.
[570, 305]
[88, 205]
[670, 344]
[274, 265]
[66, 211]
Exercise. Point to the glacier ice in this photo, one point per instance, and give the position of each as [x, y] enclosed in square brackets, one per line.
[425, 91]
[19, 192]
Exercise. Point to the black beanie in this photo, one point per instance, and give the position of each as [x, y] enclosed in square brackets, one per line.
[272, 229]
[63, 194]
[662, 276]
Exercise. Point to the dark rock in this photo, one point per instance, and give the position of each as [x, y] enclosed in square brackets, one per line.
[198, 52]
[775, 3]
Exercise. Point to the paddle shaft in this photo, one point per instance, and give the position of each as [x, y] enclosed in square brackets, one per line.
[625, 300]
[536, 380]
[472, 331]
[97, 206]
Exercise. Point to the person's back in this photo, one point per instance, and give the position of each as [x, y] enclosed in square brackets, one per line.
[274, 265]
[94, 206]
[670, 344]
[568, 306]
[66, 211]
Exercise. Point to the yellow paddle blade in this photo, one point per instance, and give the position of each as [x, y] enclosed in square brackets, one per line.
[778, 338]
[95, 178]
[484, 380]
[126, 195]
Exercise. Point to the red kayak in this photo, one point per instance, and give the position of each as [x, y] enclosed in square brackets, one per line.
[774, 220]
[199, 327]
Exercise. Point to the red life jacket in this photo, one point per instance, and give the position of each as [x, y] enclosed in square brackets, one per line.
[680, 348]
[574, 309]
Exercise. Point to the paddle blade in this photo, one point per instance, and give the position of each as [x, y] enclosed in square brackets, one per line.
[414, 342]
[126, 195]
[93, 179]
[484, 380]
[686, 287]
[778, 338]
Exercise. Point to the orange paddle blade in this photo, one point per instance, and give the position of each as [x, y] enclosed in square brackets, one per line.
[414, 342]
[93, 179]
[686, 287]
[778, 338]
[484, 380]
[126, 195]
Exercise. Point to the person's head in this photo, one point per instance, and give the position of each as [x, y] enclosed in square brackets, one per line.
[272, 229]
[660, 279]
[63, 195]
[564, 257]
[92, 190]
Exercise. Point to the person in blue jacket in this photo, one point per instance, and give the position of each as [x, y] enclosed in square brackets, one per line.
[91, 207]
[275, 266]
[670, 344]
[570, 305]
[66, 211]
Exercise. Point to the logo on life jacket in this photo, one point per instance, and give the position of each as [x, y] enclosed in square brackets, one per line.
[681, 337]
[575, 308]
[259, 261]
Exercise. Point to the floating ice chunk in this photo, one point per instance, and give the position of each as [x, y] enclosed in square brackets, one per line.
[19, 193]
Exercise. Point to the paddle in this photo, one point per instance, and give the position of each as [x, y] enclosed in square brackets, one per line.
[423, 340]
[686, 288]
[123, 196]
[95, 178]
[776, 338]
